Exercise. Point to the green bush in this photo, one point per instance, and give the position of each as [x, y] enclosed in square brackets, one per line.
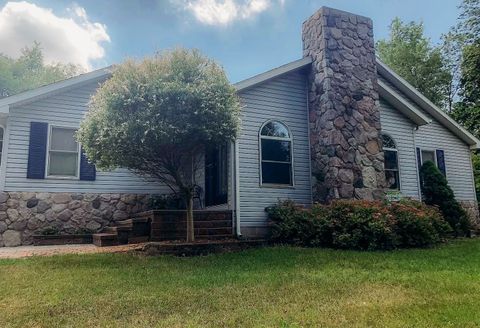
[437, 192]
[166, 202]
[364, 225]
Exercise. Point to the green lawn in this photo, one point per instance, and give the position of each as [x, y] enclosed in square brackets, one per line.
[272, 287]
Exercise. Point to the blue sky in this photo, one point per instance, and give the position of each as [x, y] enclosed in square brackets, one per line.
[246, 36]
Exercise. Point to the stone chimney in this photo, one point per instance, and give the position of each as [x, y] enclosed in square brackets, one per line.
[346, 149]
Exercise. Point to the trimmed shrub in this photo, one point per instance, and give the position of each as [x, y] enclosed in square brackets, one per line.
[437, 192]
[364, 225]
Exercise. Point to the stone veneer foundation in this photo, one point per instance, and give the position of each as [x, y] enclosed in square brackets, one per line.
[23, 214]
[346, 149]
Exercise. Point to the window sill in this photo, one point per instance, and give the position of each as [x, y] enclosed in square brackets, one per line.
[276, 186]
[53, 177]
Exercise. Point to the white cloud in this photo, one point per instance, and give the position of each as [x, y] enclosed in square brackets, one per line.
[72, 39]
[224, 12]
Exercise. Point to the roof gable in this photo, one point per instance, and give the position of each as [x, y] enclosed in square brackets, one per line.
[425, 104]
[54, 88]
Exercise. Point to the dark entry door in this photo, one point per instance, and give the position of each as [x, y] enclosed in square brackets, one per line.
[216, 175]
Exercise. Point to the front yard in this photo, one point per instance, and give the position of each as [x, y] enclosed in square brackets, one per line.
[272, 287]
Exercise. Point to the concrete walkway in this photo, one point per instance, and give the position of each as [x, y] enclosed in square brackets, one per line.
[27, 251]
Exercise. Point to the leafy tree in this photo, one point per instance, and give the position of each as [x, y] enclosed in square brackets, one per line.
[466, 36]
[156, 116]
[476, 172]
[29, 71]
[411, 55]
[436, 191]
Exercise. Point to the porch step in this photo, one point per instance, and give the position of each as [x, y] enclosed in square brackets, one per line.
[116, 230]
[211, 237]
[105, 239]
[131, 231]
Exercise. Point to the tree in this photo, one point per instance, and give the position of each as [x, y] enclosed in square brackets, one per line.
[409, 53]
[437, 192]
[467, 108]
[29, 71]
[156, 116]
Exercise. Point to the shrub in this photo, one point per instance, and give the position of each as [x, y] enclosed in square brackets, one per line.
[437, 192]
[364, 225]
[166, 202]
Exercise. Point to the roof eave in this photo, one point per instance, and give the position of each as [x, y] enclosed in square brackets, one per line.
[427, 105]
[276, 72]
[404, 107]
[34, 94]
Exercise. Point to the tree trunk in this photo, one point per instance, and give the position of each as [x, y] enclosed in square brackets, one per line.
[190, 228]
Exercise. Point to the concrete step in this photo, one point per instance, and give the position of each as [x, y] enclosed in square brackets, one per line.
[132, 221]
[116, 230]
[105, 239]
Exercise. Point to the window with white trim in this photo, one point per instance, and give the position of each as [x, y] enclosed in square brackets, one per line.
[63, 153]
[392, 172]
[276, 154]
[428, 155]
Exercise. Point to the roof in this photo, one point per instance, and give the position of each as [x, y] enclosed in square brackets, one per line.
[41, 92]
[385, 91]
[427, 105]
[388, 93]
[260, 78]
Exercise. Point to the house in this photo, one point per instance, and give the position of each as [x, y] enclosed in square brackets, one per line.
[337, 123]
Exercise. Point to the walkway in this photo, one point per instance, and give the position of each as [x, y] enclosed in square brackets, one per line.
[27, 251]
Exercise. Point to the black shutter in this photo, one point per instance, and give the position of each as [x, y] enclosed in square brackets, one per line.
[441, 161]
[87, 170]
[419, 158]
[419, 163]
[37, 150]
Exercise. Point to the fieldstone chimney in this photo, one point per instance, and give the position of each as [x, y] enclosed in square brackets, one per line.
[346, 149]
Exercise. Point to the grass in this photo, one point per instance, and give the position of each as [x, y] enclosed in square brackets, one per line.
[272, 287]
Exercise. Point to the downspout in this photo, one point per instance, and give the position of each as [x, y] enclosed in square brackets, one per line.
[238, 231]
[419, 187]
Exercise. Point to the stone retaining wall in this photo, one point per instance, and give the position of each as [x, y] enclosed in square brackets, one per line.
[23, 214]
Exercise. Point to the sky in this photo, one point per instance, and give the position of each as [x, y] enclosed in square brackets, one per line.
[247, 37]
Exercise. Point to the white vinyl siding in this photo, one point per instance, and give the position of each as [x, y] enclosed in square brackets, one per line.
[431, 137]
[64, 109]
[283, 99]
[400, 128]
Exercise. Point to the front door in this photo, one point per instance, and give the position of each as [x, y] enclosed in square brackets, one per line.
[216, 175]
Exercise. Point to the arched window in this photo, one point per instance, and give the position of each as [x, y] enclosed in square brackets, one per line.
[276, 154]
[392, 173]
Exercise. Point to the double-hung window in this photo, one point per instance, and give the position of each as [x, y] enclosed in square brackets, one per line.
[63, 153]
[276, 154]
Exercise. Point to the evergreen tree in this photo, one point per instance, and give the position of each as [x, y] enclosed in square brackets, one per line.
[437, 192]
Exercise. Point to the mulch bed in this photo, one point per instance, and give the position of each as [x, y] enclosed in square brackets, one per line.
[198, 247]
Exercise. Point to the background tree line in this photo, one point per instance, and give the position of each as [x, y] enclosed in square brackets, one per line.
[447, 73]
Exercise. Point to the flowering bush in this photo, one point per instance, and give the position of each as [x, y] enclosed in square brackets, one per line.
[365, 225]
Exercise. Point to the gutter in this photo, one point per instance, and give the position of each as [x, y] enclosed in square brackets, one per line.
[238, 231]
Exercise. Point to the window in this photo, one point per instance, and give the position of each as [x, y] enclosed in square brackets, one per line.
[428, 155]
[392, 174]
[276, 154]
[63, 151]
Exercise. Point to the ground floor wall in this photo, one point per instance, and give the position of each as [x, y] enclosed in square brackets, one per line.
[24, 214]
